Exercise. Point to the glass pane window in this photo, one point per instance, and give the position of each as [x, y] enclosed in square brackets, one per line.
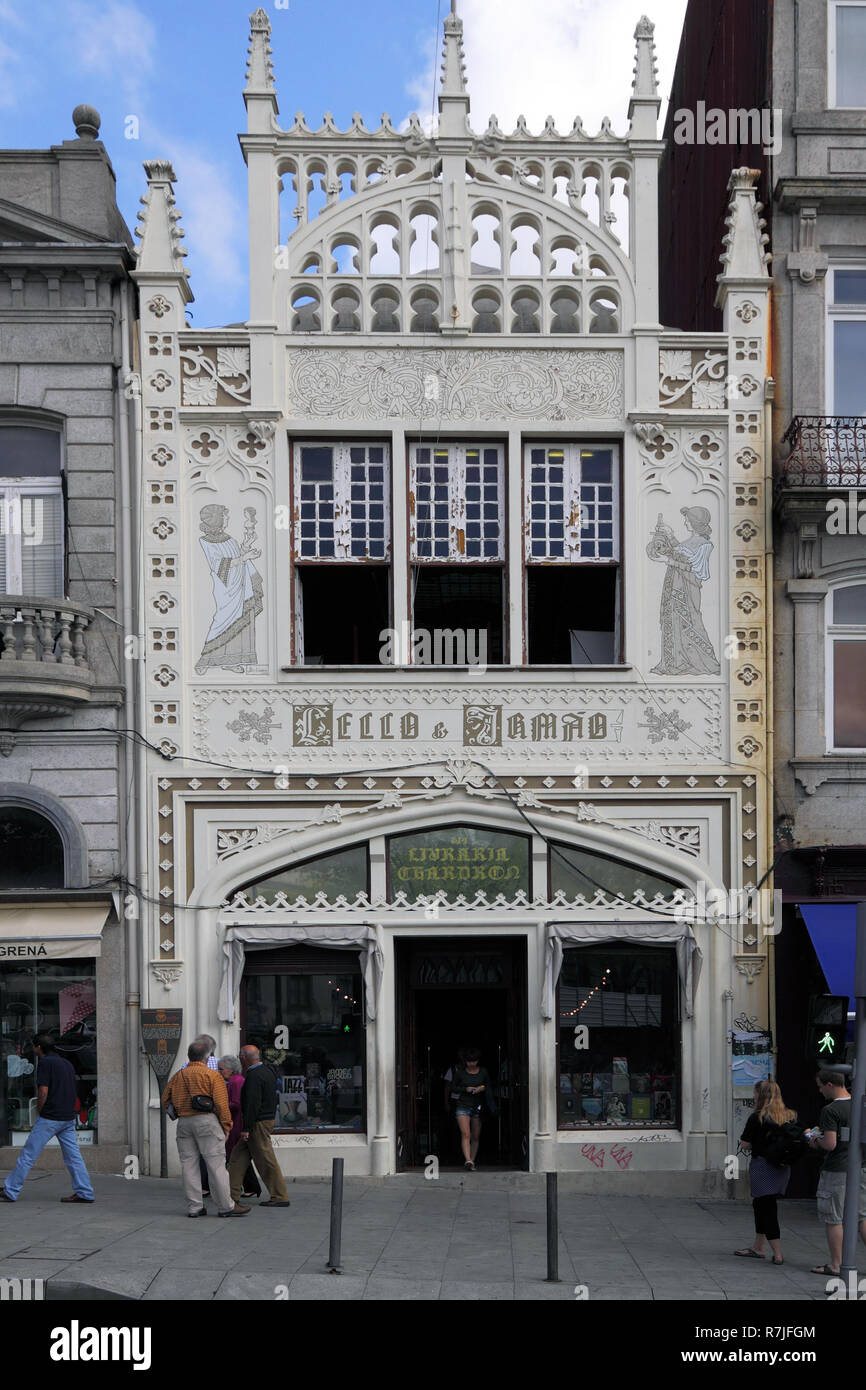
[31, 850]
[320, 1070]
[571, 504]
[846, 660]
[849, 367]
[624, 1071]
[457, 503]
[342, 874]
[849, 286]
[461, 859]
[577, 872]
[342, 502]
[849, 682]
[31, 539]
[59, 997]
[850, 55]
[26, 452]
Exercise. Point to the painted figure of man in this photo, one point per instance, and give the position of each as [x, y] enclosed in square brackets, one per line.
[237, 590]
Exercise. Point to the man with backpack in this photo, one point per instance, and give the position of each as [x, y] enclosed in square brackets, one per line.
[835, 1117]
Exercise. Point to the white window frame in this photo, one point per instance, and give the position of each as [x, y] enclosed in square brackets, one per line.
[838, 313]
[342, 483]
[572, 452]
[833, 6]
[833, 633]
[12, 495]
[457, 520]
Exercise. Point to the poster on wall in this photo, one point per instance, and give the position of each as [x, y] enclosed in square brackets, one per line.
[751, 1057]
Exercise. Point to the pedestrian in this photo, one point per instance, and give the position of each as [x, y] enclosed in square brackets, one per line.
[56, 1095]
[258, 1109]
[213, 1066]
[767, 1180]
[231, 1073]
[472, 1085]
[198, 1095]
[835, 1116]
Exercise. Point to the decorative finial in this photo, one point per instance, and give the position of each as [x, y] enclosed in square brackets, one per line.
[260, 72]
[453, 96]
[161, 253]
[745, 256]
[87, 121]
[645, 70]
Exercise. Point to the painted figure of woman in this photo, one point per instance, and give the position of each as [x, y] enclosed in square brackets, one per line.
[686, 648]
[237, 591]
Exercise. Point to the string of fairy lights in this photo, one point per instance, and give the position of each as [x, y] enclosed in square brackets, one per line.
[572, 1013]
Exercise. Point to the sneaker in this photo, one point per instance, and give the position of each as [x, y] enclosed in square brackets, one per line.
[201, 1212]
[4, 1196]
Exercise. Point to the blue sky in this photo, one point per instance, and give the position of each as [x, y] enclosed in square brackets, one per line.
[179, 69]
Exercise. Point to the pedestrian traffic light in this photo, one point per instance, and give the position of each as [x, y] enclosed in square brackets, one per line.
[827, 1029]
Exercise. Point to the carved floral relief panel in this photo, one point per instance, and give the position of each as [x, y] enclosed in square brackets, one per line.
[437, 384]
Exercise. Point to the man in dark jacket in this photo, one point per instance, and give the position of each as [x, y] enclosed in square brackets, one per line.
[258, 1108]
[56, 1093]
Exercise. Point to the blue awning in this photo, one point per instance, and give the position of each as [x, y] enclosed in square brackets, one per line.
[833, 934]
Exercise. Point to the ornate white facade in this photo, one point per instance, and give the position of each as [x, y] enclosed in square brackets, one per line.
[492, 298]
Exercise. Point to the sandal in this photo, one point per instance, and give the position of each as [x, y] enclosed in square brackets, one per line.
[825, 1269]
[749, 1254]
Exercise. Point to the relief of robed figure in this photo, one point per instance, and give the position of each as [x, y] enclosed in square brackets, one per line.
[237, 591]
[686, 648]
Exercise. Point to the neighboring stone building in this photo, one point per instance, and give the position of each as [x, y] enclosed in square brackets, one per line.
[815, 82]
[456, 605]
[67, 314]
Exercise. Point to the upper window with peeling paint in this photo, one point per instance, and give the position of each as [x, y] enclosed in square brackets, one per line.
[456, 503]
[572, 504]
[342, 502]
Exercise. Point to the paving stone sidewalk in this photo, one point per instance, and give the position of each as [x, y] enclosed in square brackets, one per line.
[463, 1237]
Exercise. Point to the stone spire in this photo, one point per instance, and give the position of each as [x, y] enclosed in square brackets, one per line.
[260, 94]
[161, 253]
[645, 103]
[744, 260]
[453, 95]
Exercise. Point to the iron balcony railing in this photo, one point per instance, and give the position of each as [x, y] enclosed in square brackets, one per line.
[827, 451]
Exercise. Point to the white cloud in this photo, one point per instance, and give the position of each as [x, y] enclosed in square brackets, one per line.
[562, 58]
[117, 41]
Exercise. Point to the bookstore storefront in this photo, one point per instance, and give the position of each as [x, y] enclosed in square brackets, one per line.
[589, 1022]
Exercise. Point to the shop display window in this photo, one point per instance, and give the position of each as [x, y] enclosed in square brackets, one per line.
[304, 1009]
[54, 996]
[619, 1038]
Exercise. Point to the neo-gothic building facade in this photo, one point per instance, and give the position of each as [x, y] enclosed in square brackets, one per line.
[454, 596]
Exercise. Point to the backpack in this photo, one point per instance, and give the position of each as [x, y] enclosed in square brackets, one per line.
[785, 1143]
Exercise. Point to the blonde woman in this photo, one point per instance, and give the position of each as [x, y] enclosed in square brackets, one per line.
[767, 1181]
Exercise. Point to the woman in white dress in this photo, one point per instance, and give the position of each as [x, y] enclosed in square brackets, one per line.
[686, 648]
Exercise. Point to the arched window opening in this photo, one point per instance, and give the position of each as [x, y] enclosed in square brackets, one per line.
[346, 304]
[525, 305]
[306, 316]
[386, 310]
[423, 245]
[344, 255]
[565, 310]
[486, 243]
[425, 308]
[385, 257]
[605, 314]
[487, 305]
[344, 873]
[526, 242]
[31, 851]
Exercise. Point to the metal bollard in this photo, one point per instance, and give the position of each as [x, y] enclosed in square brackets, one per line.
[552, 1230]
[336, 1215]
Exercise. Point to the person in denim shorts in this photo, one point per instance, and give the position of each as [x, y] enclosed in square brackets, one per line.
[835, 1116]
[470, 1087]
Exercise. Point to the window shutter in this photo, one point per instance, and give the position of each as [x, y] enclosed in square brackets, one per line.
[42, 545]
